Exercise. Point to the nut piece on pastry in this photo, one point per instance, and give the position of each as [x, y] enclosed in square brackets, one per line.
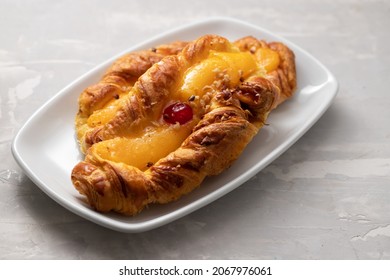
[167, 133]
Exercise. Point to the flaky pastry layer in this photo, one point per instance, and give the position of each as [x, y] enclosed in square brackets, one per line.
[226, 118]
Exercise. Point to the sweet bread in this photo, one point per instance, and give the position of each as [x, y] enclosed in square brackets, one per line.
[189, 116]
[170, 127]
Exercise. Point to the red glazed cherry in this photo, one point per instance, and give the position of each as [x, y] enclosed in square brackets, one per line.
[178, 113]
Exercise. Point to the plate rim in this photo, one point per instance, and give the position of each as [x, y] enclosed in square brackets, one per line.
[105, 221]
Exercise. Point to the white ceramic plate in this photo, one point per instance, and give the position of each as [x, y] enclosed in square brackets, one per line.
[46, 149]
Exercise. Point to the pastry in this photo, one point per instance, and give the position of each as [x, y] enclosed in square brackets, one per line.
[189, 116]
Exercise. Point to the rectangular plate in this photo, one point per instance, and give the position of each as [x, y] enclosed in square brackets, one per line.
[46, 149]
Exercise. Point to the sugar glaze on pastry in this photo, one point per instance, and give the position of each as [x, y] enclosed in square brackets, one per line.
[189, 116]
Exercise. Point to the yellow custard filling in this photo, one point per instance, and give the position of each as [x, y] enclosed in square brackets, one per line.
[267, 59]
[104, 115]
[157, 139]
[142, 152]
[229, 67]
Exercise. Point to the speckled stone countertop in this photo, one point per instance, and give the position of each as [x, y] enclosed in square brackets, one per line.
[327, 197]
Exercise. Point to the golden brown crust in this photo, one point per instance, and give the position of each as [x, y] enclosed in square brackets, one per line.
[122, 74]
[232, 119]
[143, 101]
[285, 76]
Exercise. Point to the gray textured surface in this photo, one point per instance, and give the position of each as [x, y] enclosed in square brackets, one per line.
[327, 197]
